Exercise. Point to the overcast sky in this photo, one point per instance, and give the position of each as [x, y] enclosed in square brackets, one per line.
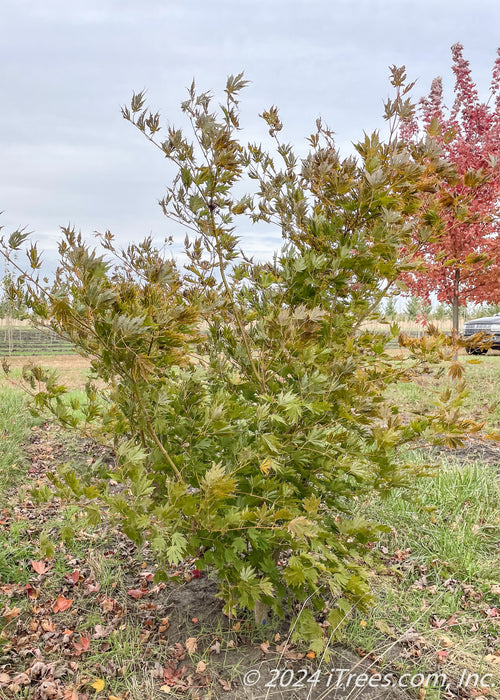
[67, 155]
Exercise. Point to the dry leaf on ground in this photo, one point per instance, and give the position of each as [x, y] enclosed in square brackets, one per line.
[191, 645]
[62, 604]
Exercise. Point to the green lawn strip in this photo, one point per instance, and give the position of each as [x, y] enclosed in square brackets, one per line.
[436, 586]
[15, 424]
[452, 519]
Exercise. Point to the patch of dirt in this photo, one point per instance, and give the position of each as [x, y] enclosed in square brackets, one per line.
[50, 446]
[473, 451]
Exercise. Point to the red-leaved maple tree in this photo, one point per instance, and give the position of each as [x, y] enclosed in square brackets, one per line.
[463, 263]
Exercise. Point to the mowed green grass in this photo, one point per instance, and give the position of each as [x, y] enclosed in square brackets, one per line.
[454, 520]
[436, 577]
[15, 424]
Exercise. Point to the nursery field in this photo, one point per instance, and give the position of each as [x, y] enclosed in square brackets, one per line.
[18, 340]
[27, 340]
[86, 617]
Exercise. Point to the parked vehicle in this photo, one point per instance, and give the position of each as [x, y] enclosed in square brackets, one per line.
[490, 325]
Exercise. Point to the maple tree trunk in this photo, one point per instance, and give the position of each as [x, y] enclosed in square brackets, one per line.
[455, 307]
[455, 301]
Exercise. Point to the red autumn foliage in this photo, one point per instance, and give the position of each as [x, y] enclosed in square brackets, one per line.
[464, 263]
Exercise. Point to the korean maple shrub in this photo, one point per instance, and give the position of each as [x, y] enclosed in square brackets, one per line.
[245, 400]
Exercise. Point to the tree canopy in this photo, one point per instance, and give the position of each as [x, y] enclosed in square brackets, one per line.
[463, 263]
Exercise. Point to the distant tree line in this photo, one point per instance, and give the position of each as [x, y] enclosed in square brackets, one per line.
[413, 308]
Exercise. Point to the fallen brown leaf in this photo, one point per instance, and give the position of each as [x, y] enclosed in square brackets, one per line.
[445, 641]
[92, 587]
[21, 679]
[411, 637]
[435, 621]
[73, 577]
[48, 625]
[136, 593]
[215, 648]
[178, 651]
[492, 612]
[164, 627]
[294, 655]
[31, 592]
[492, 658]
[101, 632]
[39, 566]
[62, 604]
[441, 657]
[108, 604]
[191, 645]
[9, 589]
[83, 645]
[11, 613]
[147, 575]
[201, 667]
[49, 690]
[226, 685]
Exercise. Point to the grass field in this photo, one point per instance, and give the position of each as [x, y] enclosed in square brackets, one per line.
[15, 424]
[85, 619]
